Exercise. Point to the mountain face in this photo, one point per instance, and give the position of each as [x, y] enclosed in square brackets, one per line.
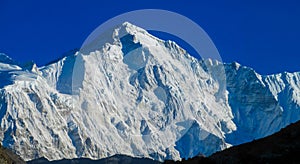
[8, 157]
[281, 147]
[137, 95]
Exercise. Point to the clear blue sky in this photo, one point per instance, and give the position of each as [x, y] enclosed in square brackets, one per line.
[264, 35]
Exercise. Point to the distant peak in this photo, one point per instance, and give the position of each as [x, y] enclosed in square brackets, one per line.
[30, 66]
[212, 62]
[236, 65]
[6, 59]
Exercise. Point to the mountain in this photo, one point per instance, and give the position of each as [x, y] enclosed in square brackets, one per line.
[8, 157]
[131, 93]
[116, 159]
[281, 147]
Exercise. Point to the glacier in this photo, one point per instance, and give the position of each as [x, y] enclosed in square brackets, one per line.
[135, 94]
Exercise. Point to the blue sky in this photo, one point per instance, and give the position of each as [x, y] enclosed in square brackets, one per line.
[261, 34]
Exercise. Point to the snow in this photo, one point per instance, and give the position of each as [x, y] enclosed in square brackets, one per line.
[7, 64]
[132, 93]
[6, 59]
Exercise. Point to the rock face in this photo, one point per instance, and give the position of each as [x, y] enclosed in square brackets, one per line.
[8, 157]
[140, 96]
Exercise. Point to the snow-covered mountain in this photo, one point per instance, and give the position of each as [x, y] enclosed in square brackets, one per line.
[137, 95]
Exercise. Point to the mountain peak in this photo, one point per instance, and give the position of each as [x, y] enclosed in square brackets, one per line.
[128, 28]
[98, 39]
[6, 59]
[6, 63]
[137, 34]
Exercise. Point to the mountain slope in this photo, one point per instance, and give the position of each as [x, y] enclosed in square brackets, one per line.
[8, 157]
[134, 94]
[281, 147]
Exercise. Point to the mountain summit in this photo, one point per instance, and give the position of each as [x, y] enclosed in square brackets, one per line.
[128, 92]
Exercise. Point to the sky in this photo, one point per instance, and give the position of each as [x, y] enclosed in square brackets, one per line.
[263, 35]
